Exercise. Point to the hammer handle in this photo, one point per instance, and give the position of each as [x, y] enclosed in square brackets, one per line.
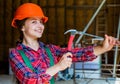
[70, 42]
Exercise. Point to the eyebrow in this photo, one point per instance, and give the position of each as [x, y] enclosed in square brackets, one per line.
[33, 19]
[36, 19]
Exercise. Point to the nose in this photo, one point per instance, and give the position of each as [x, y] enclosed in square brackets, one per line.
[41, 25]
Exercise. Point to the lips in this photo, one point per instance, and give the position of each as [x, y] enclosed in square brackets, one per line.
[39, 31]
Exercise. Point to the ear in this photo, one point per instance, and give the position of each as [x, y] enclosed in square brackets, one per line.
[23, 28]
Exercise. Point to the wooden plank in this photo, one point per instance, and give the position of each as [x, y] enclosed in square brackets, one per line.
[42, 3]
[79, 19]
[7, 25]
[51, 38]
[79, 2]
[51, 2]
[60, 2]
[8, 18]
[1, 29]
[51, 20]
[34, 1]
[60, 26]
[92, 27]
[24, 1]
[69, 18]
[15, 35]
[69, 2]
[90, 2]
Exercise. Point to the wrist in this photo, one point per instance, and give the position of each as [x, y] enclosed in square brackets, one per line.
[53, 70]
[105, 49]
[57, 67]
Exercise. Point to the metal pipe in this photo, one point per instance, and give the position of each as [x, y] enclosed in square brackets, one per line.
[82, 33]
[91, 20]
[116, 50]
[113, 5]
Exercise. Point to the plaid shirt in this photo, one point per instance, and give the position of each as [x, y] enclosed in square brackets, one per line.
[41, 62]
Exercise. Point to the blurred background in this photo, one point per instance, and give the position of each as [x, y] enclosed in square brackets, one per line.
[63, 15]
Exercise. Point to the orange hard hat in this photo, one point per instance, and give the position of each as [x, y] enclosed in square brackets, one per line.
[28, 10]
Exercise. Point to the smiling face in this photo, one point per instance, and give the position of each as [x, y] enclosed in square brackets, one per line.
[33, 28]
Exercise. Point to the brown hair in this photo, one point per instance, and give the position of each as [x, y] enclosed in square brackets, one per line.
[19, 24]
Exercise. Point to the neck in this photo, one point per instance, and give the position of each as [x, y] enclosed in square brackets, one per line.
[31, 43]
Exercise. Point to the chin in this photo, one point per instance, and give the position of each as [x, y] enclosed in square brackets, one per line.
[39, 36]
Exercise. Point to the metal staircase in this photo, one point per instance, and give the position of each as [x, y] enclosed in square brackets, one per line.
[101, 22]
[101, 27]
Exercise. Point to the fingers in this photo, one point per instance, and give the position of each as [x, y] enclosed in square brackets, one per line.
[68, 55]
[117, 42]
[65, 61]
[111, 40]
[106, 36]
[68, 58]
[69, 64]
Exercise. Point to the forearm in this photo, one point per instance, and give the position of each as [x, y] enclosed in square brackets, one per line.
[99, 50]
[53, 70]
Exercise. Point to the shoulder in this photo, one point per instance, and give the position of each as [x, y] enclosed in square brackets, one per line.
[13, 52]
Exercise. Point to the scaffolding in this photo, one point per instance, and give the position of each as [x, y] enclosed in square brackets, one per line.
[111, 69]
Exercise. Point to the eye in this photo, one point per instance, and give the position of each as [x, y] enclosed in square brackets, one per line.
[34, 21]
[41, 21]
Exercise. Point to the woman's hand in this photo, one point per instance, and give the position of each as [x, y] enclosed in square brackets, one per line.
[65, 61]
[109, 43]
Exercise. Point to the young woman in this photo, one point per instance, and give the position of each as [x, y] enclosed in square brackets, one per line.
[40, 66]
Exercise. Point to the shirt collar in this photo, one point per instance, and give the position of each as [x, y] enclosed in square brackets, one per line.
[22, 46]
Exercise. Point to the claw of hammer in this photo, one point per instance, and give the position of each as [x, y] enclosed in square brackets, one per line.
[72, 31]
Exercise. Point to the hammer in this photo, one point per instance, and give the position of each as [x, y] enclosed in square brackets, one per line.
[70, 42]
[71, 38]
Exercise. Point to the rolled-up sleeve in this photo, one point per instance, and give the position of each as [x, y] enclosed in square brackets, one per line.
[79, 54]
[83, 54]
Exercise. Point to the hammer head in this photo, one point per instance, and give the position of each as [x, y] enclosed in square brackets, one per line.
[72, 31]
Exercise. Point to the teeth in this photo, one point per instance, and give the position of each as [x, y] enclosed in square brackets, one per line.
[38, 31]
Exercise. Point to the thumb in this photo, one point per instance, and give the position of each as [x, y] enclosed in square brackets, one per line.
[106, 37]
[106, 40]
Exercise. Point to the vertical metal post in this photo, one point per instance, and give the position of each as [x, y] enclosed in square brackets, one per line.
[56, 22]
[47, 26]
[65, 18]
[74, 23]
[116, 49]
[91, 20]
